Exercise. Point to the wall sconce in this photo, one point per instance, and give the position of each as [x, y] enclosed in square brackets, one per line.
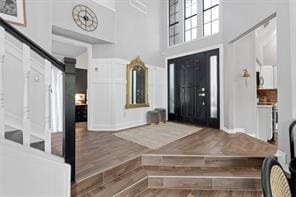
[246, 73]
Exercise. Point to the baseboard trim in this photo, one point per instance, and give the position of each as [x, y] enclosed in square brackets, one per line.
[227, 130]
[238, 130]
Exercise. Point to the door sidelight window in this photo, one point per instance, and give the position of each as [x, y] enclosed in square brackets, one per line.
[214, 84]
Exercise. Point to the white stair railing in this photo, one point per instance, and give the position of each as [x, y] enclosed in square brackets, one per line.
[26, 112]
[20, 114]
[28, 63]
[2, 58]
[47, 130]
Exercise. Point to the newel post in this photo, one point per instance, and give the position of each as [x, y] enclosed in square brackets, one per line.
[69, 114]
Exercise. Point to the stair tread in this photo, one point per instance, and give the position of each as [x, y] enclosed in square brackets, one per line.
[17, 136]
[117, 184]
[201, 172]
[196, 193]
[138, 174]
[39, 145]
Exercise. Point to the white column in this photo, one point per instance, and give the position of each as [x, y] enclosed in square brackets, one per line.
[26, 106]
[48, 128]
[2, 58]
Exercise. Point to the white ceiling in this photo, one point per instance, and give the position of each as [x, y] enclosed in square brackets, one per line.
[61, 49]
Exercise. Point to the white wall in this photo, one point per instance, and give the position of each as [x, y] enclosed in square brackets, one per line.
[63, 19]
[31, 173]
[107, 3]
[244, 57]
[107, 95]
[82, 61]
[236, 20]
[39, 22]
[270, 53]
[137, 34]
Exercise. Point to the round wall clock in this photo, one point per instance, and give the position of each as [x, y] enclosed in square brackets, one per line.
[85, 18]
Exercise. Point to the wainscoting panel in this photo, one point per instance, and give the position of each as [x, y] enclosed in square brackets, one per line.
[107, 95]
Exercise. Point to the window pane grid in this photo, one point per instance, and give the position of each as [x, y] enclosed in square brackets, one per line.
[193, 13]
[190, 29]
[173, 22]
[211, 17]
[209, 4]
[173, 34]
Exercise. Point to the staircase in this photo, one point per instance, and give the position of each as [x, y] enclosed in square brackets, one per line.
[179, 175]
[25, 117]
[17, 136]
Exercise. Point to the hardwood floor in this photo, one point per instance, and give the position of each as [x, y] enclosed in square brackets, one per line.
[97, 151]
[107, 165]
[216, 142]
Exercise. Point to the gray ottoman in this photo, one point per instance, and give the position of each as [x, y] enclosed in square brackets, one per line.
[161, 114]
[152, 117]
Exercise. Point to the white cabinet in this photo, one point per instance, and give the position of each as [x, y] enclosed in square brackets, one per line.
[269, 76]
[264, 122]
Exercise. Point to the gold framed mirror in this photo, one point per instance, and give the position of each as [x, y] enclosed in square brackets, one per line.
[137, 84]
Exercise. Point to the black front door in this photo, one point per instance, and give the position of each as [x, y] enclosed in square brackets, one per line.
[190, 87]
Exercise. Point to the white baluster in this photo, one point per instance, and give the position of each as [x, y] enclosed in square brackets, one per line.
[2, 58]
[26, 115]
[47, 129]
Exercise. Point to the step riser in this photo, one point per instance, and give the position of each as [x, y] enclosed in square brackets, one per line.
[174, 172]
[201, 193]
[134, 189]
[105, 176]
[202, 183]
[200, 161]
[197, 171]
[191, 183]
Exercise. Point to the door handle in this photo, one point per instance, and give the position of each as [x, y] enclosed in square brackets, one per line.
[202, 94]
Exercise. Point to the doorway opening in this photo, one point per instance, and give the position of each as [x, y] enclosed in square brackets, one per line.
[81, 52]
[193, 89]
[266, 81]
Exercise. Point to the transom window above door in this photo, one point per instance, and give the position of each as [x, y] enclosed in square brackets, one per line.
[192, 19]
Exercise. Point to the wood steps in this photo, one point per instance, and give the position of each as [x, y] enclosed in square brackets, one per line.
[207, 161]
[197, 193]
[205, 183]
[103, 178]
[197, 171]
[181, 173]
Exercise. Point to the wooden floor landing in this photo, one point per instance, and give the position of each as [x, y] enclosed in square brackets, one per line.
[97, 151]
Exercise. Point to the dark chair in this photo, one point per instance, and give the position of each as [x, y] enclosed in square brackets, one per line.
[292, 165]
[274, 180]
